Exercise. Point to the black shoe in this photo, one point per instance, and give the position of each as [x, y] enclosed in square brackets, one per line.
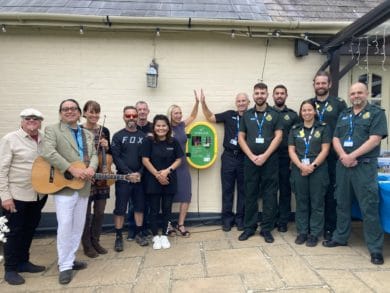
[282, 228]
[28, 267]
[328, 235]
[332, 243]
[141, 240]
[118, 244]
[226, 227]
[79, 265]
[267, 236]
[13, 278]
[65, 277]
[240, 227]
[311, 241]
[245, 235]
[301, 238]
[377, 258]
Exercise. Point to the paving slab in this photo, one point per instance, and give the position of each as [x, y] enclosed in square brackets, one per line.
[235, 261]
[188, 271]
[377, 281]
[343, 281]
[294, 271]
[266, 280]
[153, 280]
[342, 262]
[182, 253]
[226, 284]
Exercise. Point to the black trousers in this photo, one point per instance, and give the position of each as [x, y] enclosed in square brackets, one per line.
[284, 204]
[232, 174]
[22, 225]
[165, 202]
[330, 200]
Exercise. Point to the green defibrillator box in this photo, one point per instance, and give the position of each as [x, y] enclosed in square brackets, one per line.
[201, 147]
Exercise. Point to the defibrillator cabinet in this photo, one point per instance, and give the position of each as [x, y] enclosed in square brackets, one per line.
[202, 144]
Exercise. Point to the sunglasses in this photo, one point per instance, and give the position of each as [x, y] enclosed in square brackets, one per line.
[67, 109]
[31, 118]
[131, 116]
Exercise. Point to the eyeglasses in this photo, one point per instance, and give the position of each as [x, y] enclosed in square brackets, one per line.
[67, 109]
[29, 118]
[131, 116]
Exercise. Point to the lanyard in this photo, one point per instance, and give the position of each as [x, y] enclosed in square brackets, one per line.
[321, 114]
[260, 125]
[352, 124]
[307, 141]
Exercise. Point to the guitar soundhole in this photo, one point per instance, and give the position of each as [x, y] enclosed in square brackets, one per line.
[68, 176]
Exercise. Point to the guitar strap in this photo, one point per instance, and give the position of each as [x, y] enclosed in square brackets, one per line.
[85, 148]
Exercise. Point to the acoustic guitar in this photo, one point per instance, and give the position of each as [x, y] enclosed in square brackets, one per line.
[48, 180]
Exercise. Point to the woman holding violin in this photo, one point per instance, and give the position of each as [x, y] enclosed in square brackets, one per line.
[100, 189]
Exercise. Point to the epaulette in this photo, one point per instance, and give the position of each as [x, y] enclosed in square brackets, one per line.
[295, 126]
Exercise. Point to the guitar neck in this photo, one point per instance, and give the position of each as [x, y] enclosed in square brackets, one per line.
[102, 176]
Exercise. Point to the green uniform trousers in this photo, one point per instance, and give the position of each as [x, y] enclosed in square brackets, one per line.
[360, 181]
[261, 180]
[309, 197]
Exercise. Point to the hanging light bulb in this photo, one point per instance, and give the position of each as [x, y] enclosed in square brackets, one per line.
[157, 32]
[233, 35]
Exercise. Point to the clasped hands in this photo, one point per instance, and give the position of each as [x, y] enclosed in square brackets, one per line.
[259, 160]
[162, 176]
[134, 177]
[348, 160]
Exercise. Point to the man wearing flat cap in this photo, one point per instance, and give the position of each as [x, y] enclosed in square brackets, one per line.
[21, 204]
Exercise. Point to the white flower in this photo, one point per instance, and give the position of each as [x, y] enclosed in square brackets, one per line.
[3, 229]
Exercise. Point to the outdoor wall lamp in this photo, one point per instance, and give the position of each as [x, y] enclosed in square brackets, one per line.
[152, 75]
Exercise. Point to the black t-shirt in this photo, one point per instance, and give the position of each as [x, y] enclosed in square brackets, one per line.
[125, 148]
[162, 155]
[147, 128]
[231, 121]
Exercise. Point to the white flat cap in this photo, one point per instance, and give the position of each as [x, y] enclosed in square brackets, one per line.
[31, 112]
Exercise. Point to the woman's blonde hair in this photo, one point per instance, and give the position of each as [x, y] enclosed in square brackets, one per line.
[170, 110]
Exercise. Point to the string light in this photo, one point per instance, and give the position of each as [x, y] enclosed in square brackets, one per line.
[157, 32]
[233, 35]
[384, 49]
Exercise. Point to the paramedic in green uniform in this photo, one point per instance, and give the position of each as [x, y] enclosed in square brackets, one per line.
[259, 137]
[328, 110]
[357, 139]
[308, 146]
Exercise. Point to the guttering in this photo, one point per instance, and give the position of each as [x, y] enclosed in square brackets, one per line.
[165, 23]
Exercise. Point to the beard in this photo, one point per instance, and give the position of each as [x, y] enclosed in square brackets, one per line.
[131, 124]
[321, 92]
[279, 102]
[260, 102]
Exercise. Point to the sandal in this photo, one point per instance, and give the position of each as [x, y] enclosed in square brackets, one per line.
[184, 233]
[171, 232]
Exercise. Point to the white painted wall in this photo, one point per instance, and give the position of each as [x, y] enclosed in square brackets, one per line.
[39, 68]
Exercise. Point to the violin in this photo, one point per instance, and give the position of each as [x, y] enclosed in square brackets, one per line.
[105, 161]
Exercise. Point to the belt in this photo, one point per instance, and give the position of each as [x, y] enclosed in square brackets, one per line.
[234, 152]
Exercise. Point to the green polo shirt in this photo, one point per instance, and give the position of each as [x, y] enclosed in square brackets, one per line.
[268, 121]
[370, 121]
[329, 110]
[288, 118]
[320, 134]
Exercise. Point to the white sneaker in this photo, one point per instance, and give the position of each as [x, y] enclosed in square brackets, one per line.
[156, 242]
[165, 242]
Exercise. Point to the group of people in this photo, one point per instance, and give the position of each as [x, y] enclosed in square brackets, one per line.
[326, 154]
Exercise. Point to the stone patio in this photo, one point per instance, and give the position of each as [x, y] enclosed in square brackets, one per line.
[215, 261]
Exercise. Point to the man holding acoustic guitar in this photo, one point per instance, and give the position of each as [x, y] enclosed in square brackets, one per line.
[21, 204]
[65, 143]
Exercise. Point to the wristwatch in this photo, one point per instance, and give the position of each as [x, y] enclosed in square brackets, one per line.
[171, 170]
[315, 165]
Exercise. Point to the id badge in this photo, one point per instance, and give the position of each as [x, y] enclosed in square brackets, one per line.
[305, 161]
[233, 141]
[259, 139]
[348, 143]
